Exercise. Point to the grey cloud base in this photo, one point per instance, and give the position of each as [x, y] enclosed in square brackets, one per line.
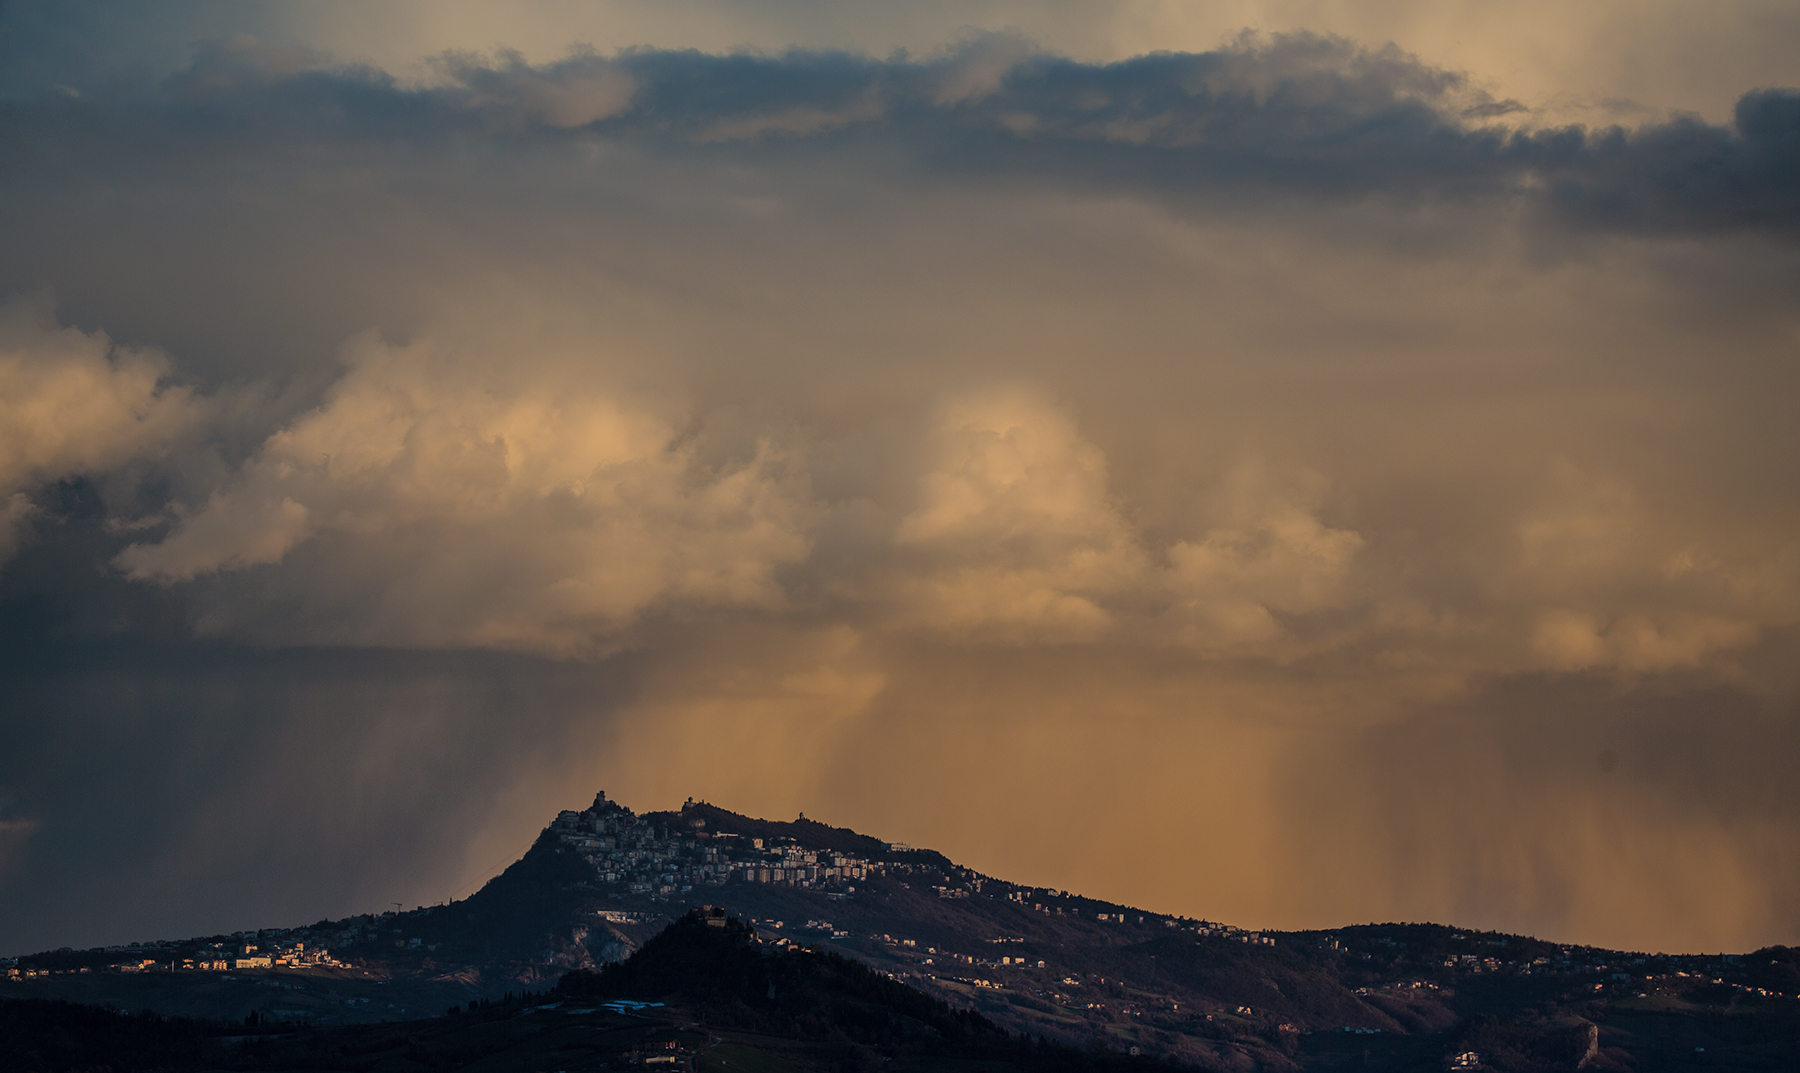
[1304, 115]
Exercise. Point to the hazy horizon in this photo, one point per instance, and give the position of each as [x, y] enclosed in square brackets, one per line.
[1287, 463]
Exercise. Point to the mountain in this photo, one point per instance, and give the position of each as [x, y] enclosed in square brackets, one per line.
[712, 995]
[599, 883]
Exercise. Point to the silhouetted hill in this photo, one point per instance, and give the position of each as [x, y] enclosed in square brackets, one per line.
[731, 978]
[725, 997]
[599, 884]
[509, 917]
[38, 1036]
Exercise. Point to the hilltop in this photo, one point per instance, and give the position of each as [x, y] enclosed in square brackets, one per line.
[599, 883]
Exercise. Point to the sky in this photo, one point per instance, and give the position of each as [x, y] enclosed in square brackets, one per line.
[1291, 463]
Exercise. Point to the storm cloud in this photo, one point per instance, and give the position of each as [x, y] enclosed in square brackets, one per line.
[1295, 113]
[1287, 482]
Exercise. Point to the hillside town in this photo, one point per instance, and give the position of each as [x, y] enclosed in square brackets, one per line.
[246, 950]
[663, 857]
[654, 858]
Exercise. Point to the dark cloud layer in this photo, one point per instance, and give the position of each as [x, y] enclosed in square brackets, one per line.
[1297, 114]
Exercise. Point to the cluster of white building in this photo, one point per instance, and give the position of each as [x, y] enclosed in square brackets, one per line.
[651, 858]
[277, 955]
[10, 970]
[213, 957]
